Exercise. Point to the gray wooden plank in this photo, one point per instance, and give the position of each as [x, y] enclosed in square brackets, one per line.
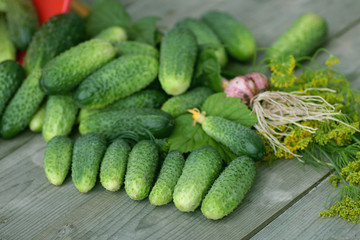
[303, 222]
[9, 146]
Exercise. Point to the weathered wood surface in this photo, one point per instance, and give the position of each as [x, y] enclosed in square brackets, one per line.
[284, 198]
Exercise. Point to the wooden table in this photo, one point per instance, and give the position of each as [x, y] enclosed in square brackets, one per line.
[283, 204]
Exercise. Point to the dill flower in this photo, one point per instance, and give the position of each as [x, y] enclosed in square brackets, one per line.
[352, 172]
[348, 209]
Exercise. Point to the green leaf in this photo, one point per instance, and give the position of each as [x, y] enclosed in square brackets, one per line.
[234, 69]
[230, 108]
[144, 30]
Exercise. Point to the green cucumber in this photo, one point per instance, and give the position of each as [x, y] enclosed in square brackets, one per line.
[22, 22]
[87, 155]
[236, 37]
[57, 159]
[7, 48]
[143, 99]
[22, 106]
[205, 36]
[239, 139]
[64, 72]
[230, 188]
[136, 48]
[202, 167]
[301, 39]
[37, 121]
[141, 169]
[117, 79]
[177, 60]
[178, 105]
[60, 116]
[113, 165]
[113, 34]
[170, 172]
[2, 5]
[141, 121]
[56, 35]
[11, 77]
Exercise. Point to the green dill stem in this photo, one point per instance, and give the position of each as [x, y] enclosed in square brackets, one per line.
[318, 160]
[334, 165]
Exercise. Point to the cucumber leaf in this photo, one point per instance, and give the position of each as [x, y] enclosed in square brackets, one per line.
[230, 108]
[144, 30]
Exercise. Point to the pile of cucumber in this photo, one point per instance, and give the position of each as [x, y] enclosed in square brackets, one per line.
[122, 94]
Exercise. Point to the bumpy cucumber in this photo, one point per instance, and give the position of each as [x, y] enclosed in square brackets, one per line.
[301, 39]
[136, 48]
[113, 165]
[60, 116]
[170, 172]
[205, 36]
[22, 106]
[57, 159]
[229, 189]
[237, 38]
[11, 77]
[113, 34]
[138, 120]
[117, 79]
[141, 169]
[7, 48]
[88, 152]
[143, 99]
[56, 35]
[202, 167]
[178, 105]
[239, 139]
[22, 21]
[37, 121]
[177, 59]
[64, 72]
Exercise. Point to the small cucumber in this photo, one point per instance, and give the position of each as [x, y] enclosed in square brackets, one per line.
[117, 79]
[136, 48]
[178, 105]
[177, 59]
[171, 169]
[143, 99]
[22, 21]
[113, 165]
[87, 154]
[138, 120]
[57, 159]
[7, 48]
[202, 167]
[229, 189]
[11, 77]
[37, 121]
[64, 72]
[301, 39]
[60, 116]
[22, 106]
[237, 38]
[141, 169]
[113, 34]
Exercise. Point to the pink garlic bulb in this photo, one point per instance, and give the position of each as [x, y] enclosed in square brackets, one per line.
[260, 80]
[241, 87]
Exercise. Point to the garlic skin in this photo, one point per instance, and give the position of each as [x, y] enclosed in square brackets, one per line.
[260, 80]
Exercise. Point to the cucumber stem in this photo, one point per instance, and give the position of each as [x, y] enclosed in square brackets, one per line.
[197, 115]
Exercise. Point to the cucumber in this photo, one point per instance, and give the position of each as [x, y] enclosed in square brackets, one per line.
[113, 165]
[177, 60]
[136, 48]
[11, 77]
[87, 154]
[202, 167]
[141, 169]
[237, 38]
[56, 35]
[37, 121]
[194, 98]
[143, 99]
[140, 121]
[205, 36]
[301, 39]
[22, 106]
[112, 34]
[7, 48]
[60, 116]
[229, 189]
[117, 79]
[22, 22]
[2, 5]
[170, 172]
[239, 139]
[57, 159]
[64, 72]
